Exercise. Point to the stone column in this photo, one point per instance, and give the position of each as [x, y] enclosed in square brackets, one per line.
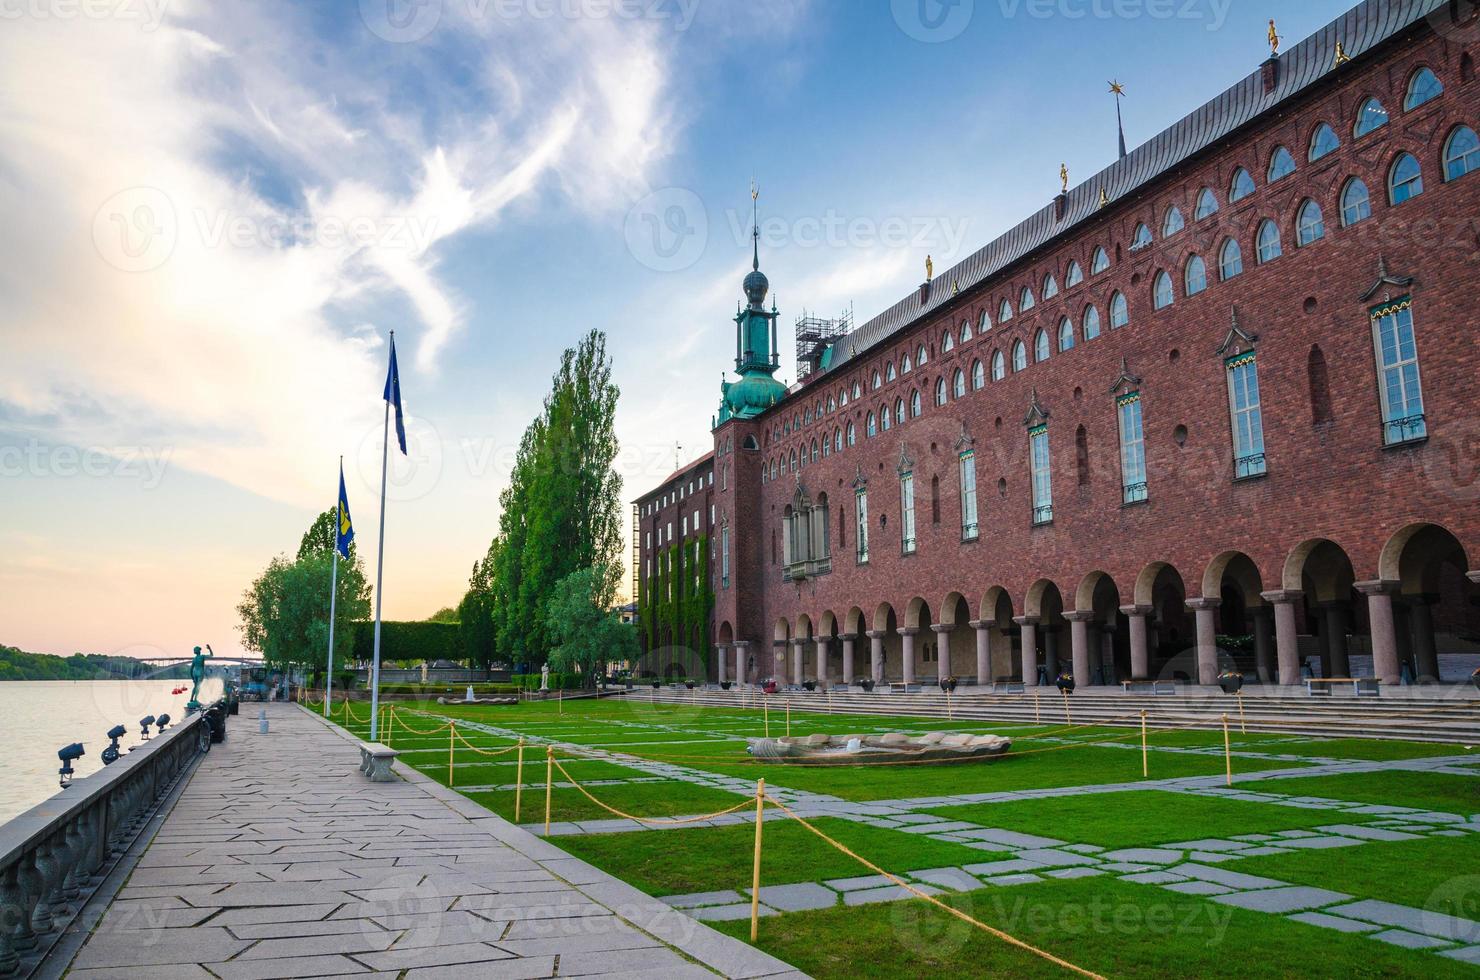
[1140, 655]
[1107, 653]
[1379, 595]
[1286, 639]
[798, 660]
[876, 654]
[1029, 626]
[1051, 651]
[1205, 609]
[742, 653]
[909, 633]
[722, 654]
[1079, 645]
[1425, 647]
[943, 644]
[983, 651]
[1263, 642]
[1334, 626]
[778, 660]
[848, 640]
[822, 643]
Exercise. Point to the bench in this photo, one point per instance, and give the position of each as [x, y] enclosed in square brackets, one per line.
[1006, 685]
[375, 761]
[1149, 687]
[904, 688]
[1362, 687]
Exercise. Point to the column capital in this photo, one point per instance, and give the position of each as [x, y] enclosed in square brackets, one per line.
[1134, 610]
[1381, 586]
[982, 624]
[1473, 577]
[1079, 617]
[876, 634]
[742, 643]
[723, 646]
[1197, 605]
[1280, 597]
[849, 636]
[1026, 620]
[780, 643]
[909, 631]
[800, 641]
[943, 628]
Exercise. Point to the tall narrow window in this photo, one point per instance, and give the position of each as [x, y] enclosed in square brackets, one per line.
[1162, 291]
[935, 500]
[969, 529]
[1041, 473]
[907, 513]
[852, 435]
[940, 390]
[958, 383]
[1246, 416]
[1132, 449]
[1004, 312]
[1066, 335]
[999, 366]
[1269, 242]
[1042, 346]
[1019, 356]
[1195, 278]
[860, 533]
[724, 556]
[1397, 365]
[978, 375]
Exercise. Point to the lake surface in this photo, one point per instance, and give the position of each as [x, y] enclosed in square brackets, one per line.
[39, 717]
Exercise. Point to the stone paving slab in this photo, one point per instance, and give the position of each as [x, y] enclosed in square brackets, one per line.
[801, 897]
[279, 860]
[1414, 920]
[1279, 900]
[889, 893]
[1332, 922]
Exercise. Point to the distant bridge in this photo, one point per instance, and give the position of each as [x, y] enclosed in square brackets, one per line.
[187, 658]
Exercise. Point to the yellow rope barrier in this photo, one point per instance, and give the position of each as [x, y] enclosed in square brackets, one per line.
[549, 783]
[451, 746]
[1005, 937]
[490, 752]
[656, 821]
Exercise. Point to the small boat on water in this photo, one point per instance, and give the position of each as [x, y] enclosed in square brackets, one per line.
[855, 750]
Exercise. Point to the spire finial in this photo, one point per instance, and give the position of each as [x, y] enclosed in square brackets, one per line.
[755, 232]
[1118, 90]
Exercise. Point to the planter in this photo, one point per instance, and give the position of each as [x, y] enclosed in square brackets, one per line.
[1232, 681]
[1065, 682]
[948, 684]
[657, 684]
[810, 685]
[867, 684]
[724, 685]
[689, 685]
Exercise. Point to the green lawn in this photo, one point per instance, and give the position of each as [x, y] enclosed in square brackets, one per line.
[1377, 750]
[704, 859]
[1114, 928]
[1137, 818]
[1441, 874]
[1425, 790]
[667, 799]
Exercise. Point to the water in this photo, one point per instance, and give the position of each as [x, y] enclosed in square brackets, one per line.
[39, 717]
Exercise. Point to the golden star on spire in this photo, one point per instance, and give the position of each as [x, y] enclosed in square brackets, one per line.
[1116, 88]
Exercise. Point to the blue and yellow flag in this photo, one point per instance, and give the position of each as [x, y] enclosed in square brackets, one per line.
[393, 395]
[344, 531]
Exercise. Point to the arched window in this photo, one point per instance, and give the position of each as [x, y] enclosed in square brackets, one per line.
[874, 381]
[873, 426]
[940, 390]
[958, 381]
[1461, 153]
[832, 404]
[1310, 224]
[886, 419]
[1074, 276]
[1269, 242]
[1120, 313]
[1004, 312]
[905, 364]
[1066, 335]
[1356, 203]
[889, 374]
[1025, 300]
[1241, 187]
[838, 439]
[1098, 262]
[947, 342]
[1019, 356]
[826, 447]
[1323, 142]
[916, 406]
[899, 408]
[984, 323]
[857, 391]
[1042, 346]
[1207, 205]
[1161, 291]
[1195, 278]
[1230, 260]
[1141, 239]
[1281, 164]
[1405, 180]
[1423, 87]
[999, 366]
[853, 434]
[1091, 323]
[1372, 116]
[966, 329]
[921, 356]
[793, 462]
[815, 454]
[1050, 286]
[1173, 223]
[843, 398]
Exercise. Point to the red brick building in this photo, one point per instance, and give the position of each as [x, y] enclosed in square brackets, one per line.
[1215, 406]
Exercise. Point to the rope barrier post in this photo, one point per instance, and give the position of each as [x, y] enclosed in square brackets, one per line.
[1241, 727]
[451, 736]
[549, 783]
[788, 717]
[1227, 754]
[755, 874]
[1145, 764]
[519, 780]
[1067, 719]
[950, 712]
[1037, 715]
[388, 715]
[766, 707]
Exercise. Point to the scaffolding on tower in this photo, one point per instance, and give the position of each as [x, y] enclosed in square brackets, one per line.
[815, 335]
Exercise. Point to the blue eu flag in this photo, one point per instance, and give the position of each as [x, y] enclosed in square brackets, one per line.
[393, 395]
[344, 531]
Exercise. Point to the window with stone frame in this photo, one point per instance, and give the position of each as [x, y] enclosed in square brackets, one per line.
[1246, 416]
[1399, 385]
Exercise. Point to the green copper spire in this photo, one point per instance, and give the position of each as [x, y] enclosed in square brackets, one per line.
[756, 355]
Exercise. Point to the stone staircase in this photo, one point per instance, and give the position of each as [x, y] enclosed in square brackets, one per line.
[1436, 714]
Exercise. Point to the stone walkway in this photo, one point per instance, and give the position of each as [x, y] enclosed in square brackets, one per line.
[280, 860]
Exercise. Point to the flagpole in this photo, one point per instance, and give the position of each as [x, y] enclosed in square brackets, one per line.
[333, 592]
[385, 455]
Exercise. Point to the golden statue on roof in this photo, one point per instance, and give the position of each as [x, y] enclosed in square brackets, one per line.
[929, 268]
[1064, 176]
[1274, 39]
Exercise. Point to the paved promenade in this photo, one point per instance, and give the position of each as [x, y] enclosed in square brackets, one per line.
[280, 860]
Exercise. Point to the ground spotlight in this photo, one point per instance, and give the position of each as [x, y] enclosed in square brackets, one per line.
[161, 722]
[144, 724]
[69, 754]
[110, 754]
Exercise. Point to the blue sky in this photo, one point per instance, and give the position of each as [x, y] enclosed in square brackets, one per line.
[218, 210]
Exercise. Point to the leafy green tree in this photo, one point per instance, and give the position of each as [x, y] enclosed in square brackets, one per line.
[587, 634]
[475, 612]
[444, 615]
